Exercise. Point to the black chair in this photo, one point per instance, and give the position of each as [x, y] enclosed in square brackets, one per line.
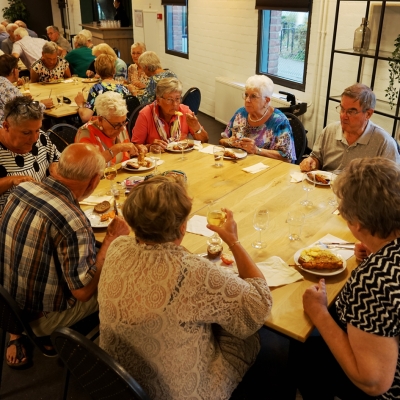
[299, 135]
[62, 135]
[132, 102]
[100, 375]
[117, 52]
[133, 117]
[192, 99]
[12, 320]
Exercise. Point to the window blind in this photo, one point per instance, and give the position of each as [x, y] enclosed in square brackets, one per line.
[287, 5]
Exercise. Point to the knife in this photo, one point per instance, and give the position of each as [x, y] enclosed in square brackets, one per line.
[338, 244]
[115, 207]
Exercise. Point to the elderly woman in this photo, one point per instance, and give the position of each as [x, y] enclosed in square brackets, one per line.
[105, 67]
[358, 354]
[136, 75]
[257, 127]
[120, 65]
[25, 152]
[107, 131]
[50, 67]
[158, 122]
[151, 66]
[80, 57]
[182, 326]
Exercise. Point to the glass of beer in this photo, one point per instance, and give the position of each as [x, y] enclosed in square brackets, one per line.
[110, 173]
[217, 217]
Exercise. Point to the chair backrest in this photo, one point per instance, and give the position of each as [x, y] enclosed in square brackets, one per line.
[100, 375]
[62, 135]
[133, 117]
[117, 52]
[132, 102]
[299, 135]
[192, 99]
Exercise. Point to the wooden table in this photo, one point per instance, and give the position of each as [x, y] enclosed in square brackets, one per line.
[242, 192]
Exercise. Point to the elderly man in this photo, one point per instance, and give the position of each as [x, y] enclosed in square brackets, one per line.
[54, 35]
[80, 58]
[22, 24]
[50, 265]
[7, 44]
[27, 48]
[3, 33]
[355, 136]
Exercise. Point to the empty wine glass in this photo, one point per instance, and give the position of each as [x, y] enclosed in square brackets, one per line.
[155, 154]
[308, 185]
[332, 200]
[217, 217]
[183, 144]
[260, 223]
[110, 173]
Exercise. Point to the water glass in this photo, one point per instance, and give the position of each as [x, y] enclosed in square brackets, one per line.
[60, 100]
[260, 223]
[218, 156]
[155, 154]
[308, 183]
[295, 221]
[332, 200]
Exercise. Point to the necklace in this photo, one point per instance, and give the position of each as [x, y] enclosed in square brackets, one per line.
[259, 119]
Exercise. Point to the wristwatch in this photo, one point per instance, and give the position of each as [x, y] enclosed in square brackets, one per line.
[258, 151]
[199, 131]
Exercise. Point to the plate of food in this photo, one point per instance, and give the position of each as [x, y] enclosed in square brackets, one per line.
[321, 177]
[234, 154]
[52, 82]
[173, 147]
[90, 80]
[135, 165]
[101, 215]
[320, 261]
[226, 260]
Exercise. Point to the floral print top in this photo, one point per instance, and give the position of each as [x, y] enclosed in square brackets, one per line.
[7, 92]
[134, 74]
[47, 75]
[101, 87]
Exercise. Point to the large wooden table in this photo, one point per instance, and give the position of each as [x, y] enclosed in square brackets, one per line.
[242, 192]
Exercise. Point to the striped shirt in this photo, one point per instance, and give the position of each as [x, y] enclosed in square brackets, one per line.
[47, 247]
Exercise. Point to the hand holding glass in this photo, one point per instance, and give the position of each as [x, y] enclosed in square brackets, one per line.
[155, 154]
[217, 217]
[260, 223]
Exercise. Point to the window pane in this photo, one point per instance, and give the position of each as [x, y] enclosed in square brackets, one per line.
[176, 29]
[283, 44]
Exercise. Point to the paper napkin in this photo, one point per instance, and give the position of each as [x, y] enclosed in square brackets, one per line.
[197, 144]
[256, 168]
[197, 224]
[277, 272]
[207, 150]
[93, 200]
[296, 177]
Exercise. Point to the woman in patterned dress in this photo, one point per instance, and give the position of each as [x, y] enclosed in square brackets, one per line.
[184, 327]
[136, 75]
[358, 354]
[50, 67]
[257, 127]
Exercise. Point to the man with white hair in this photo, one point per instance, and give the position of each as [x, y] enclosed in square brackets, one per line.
[22, 24]
[7, 44]
[3, 33]
[54, 35]
[27, 48]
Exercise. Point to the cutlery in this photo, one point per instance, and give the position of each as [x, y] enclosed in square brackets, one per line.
[340, 244]
[115, 207]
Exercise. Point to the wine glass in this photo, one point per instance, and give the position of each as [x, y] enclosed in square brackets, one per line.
[218, 156]
[217, 217]
[260, 223]
[155, 154]
[110, 173]
[183, 144]
[308, 185]
[332, 200]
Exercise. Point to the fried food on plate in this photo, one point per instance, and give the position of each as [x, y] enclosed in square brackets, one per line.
[317, 258]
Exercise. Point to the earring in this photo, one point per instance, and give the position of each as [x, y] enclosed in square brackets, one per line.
[101, 127]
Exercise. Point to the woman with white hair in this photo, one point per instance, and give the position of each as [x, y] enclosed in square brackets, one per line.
[136, 75]
[257, 127]
[50, 67]
[107, 131]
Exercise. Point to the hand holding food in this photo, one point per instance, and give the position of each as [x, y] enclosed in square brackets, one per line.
[192, 121]
[248, 145]
[161, 143]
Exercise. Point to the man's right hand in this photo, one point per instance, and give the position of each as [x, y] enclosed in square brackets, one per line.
[118, 227]
[308, 164]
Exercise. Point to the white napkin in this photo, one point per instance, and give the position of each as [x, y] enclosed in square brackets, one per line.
[68, 81]
[93, 200]
[207, 150]
[197, 224]
[197, 144]
[73, 104]
[346, 254]
[256, 168]
[277, 272]
[296, 177]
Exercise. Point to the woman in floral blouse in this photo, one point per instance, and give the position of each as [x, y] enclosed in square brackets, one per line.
[136, 75]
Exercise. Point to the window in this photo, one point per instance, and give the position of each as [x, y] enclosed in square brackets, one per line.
[176, 31]
[283, 45]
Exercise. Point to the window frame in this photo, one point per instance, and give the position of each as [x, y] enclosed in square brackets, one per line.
[174, 52]
[279, 80]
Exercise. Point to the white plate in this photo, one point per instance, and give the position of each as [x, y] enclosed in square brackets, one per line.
[91, 80]
[325, 174]
[172, 144]
[140, 169]
[94, 219]
[217, 261]
[52, 82]
[238, 152]
[323, 272]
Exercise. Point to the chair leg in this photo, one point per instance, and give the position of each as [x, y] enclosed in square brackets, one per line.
[2, 351]
[64, 392]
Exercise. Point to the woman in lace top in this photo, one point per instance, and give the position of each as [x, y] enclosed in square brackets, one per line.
[136, 75]
[182, 326]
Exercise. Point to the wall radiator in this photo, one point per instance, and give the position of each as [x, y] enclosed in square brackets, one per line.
[228, 98]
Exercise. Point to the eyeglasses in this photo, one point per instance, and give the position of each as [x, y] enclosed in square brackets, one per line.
[119, 125]
[252, 97]
[24, 108]
[173, 101]
[350, 112]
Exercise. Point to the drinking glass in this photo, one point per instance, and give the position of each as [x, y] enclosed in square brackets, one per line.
[260, 223]
[295, 221]
[75, 79]
[332, 200]
[308, 185]
[155, 154]
[217, 217]
[60, 100]
[25, 82]
[218, 156]
[110, 173]
[183, 144]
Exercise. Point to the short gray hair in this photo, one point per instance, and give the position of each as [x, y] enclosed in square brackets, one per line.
[369, 193]
[104, 48]
[21, 32]
[168, 85]
[363, 94]
[11, 27]
[138, 44]
[86, 33]
[55, 28]
[2, 28]
[109, 104]
[80, 40]
[12, 106]
[82, 168]
[50, 48]
[261, 83]
[150, 60]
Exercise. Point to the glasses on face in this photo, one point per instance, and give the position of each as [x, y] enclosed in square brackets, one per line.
[251, 97]
[173, 101]
[350, 112]
[117, 126]
[24, 108]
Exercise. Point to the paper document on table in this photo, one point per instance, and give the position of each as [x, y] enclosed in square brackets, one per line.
[93, 200]
[277, 272]
[197, 224]
[346, 254]
[207, 150]
[256, 168]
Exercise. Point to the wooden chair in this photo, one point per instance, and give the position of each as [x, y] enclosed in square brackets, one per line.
[100, 375]
[299, 135]
[192, 99]
[133, 117]
[62, 135]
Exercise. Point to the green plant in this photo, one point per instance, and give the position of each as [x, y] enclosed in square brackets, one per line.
[16, 10]
[392, 92]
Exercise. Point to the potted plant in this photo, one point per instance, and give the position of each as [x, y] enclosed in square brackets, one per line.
[392, 92]
[15, 11]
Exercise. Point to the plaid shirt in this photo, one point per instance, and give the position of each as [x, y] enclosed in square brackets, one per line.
[47, 247]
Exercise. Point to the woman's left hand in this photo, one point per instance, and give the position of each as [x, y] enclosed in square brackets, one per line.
[192, 122]
[315, 299]
[248, 145]
[79, 99]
